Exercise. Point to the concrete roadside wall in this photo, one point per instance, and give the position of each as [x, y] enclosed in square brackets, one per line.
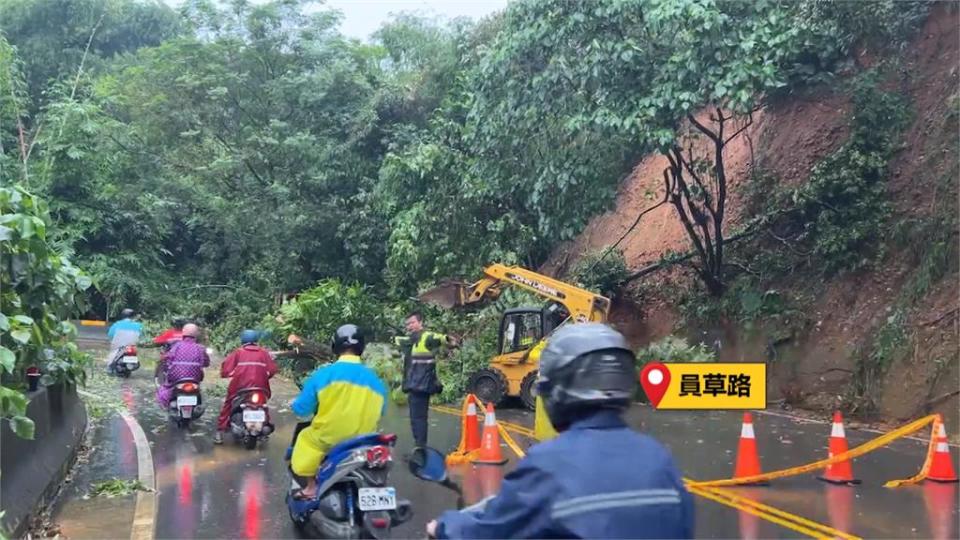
[31, 471]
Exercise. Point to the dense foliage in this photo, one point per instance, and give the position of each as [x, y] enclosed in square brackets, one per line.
[211, 160]
[39, 291]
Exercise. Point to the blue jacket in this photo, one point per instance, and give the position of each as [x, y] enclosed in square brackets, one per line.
[124, 332]
[598, 479]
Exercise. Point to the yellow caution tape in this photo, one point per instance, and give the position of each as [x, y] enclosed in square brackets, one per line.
[516, 428]
[869, 446]
[865, 448]
[925, 469]
[510, 442]
[461, 455]
[766, 512]
[769, 513]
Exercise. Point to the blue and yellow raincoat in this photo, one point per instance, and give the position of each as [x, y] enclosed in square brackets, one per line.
[346, 399]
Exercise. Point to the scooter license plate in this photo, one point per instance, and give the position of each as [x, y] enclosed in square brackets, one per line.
[131, 360]
[186, 400]
[255, 416]
[372, 499]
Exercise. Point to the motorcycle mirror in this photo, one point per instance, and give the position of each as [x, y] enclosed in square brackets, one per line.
[428, 464]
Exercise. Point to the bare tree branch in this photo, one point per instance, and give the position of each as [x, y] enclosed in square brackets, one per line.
[745, 126]
[703, 129]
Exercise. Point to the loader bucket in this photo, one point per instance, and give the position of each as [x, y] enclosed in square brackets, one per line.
[446, 295]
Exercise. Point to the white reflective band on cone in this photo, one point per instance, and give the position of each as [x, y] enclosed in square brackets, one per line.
[837, 430]
[746, 432]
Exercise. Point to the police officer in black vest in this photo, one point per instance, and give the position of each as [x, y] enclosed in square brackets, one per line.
[420, 380]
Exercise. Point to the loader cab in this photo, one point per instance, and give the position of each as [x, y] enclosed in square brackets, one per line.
[520, 329]
[513, 372]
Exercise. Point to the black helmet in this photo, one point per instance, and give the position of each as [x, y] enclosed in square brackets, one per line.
[127, 313]
[583, 368]
[348, 336]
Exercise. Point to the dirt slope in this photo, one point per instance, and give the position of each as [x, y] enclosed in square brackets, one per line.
[788, 138]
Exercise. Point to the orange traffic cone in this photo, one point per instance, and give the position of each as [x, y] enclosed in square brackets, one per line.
[941, 468]
[748, 462]
[471, 426]
[490, 453]
[842, 472]
[941, 502]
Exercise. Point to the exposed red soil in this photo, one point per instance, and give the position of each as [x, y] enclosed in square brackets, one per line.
[787, 139]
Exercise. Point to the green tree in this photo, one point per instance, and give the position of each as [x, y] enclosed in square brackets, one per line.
[54, 35]
[39, 291]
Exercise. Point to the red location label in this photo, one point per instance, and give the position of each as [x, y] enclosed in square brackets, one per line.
[655, 379]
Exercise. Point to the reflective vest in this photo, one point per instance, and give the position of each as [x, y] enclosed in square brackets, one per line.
[420, 361]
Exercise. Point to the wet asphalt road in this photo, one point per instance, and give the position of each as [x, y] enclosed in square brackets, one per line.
[208, 491]
[704, 445]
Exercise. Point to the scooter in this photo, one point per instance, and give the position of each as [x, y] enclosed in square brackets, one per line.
[249, 417]
[125, 362]
[186, 404]
[354, 500]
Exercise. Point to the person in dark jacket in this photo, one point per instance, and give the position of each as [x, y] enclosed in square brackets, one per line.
[598, 478]
[419, 349]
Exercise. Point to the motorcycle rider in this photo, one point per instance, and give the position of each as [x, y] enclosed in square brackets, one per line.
[345, 399]
[598, 478]
[185, 360]
[249, 366]
[171, 335]
[166, 339]
[123, 333]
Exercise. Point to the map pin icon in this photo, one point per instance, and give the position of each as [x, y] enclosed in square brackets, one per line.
[655, 379]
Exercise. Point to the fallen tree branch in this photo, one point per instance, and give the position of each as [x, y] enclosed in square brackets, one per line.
[825, 371]
[204, 287]
[685, 257]
[932, 402]
[628, 231]
[940, 318]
